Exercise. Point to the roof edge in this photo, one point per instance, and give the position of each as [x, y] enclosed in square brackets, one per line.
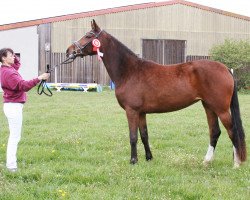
[116, 10]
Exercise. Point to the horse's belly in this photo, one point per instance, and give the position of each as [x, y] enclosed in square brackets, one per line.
[157, 100]
[168, 105]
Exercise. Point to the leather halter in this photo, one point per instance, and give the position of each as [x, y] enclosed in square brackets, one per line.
[80, 48]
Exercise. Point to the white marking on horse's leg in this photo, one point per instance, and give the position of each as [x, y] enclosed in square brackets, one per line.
[209, 156]
[237, 161]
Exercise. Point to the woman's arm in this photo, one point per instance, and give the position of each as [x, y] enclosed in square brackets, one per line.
[16, 82]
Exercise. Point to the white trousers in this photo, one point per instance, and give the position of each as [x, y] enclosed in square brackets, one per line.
[14, 114]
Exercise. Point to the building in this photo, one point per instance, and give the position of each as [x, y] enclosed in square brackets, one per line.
[166, 32]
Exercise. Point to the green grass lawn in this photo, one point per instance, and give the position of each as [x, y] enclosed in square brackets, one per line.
[75, 145]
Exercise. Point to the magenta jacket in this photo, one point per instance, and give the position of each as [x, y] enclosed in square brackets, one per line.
[13, 85]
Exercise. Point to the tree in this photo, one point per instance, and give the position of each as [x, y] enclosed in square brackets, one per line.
[235, 54]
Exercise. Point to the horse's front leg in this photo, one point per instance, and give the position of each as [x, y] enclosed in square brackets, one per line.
[144, 135]
[133, 123]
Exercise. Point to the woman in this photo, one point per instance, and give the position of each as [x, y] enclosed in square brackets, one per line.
[14, 97]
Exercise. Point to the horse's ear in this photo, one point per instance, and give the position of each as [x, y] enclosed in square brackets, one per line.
[91, 25]
[94, 26]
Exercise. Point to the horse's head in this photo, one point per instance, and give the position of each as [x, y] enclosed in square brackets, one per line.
[84, 46]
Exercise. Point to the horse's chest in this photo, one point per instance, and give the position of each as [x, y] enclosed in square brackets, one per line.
[129, 98]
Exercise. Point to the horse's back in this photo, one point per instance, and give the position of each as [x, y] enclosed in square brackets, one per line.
[199, 75]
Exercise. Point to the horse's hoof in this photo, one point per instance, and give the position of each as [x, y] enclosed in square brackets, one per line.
[149, 158]
[236, 165]
[206, 163]
[133, 161]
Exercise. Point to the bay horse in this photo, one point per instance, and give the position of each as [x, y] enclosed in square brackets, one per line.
[143, 86]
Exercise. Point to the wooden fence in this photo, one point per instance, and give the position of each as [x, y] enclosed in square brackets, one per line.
[82, 70]
[191, 58]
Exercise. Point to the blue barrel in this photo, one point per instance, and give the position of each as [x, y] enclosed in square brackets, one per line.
[112, 85]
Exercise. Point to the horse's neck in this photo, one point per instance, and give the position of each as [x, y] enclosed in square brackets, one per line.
[118, 59]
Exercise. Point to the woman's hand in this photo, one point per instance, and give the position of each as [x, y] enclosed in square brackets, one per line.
[44, 76]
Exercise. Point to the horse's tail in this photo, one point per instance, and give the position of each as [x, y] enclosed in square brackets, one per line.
[238, 131]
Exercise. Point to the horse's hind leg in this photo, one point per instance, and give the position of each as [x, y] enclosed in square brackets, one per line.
[214, 133]
[226, 120]
[144, 135]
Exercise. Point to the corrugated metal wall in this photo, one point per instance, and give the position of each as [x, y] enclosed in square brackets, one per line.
[201, 29]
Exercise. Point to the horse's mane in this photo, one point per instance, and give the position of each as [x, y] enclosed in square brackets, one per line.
[122, 48]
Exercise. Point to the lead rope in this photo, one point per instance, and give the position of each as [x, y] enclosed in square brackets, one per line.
[42, 86]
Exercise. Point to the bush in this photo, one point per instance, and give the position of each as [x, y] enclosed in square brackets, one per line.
[242, 76]
[235, 54]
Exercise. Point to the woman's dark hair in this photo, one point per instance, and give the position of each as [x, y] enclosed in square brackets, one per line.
[4, 51]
